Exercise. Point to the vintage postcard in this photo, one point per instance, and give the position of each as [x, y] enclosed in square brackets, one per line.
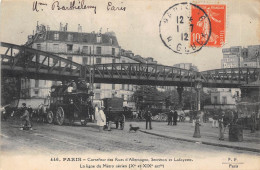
[130, 84]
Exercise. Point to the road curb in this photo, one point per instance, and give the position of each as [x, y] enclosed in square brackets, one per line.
[205, 143]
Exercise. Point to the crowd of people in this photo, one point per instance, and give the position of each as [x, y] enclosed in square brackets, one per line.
[71, 87]
[220, 118]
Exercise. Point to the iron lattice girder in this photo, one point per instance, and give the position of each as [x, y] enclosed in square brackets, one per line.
[231, 75]
[36, 61]
[140, 71]
[39, 64]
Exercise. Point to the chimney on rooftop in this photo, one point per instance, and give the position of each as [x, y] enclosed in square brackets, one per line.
[79, 28]
[66, 27]
[61, 29]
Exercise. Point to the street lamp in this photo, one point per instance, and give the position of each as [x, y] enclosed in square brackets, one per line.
[198, 87]
[256, 55]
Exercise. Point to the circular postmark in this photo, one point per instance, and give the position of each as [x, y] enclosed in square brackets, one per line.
[185, 28]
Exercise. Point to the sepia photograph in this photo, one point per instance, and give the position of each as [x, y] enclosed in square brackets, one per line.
[130, 84]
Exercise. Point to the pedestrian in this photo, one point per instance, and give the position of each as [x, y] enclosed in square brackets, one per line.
[74, 86]
[148, 119]
[205, 116]
[191, 116]
[221, 125]
[26, 117]
[101, 119]
[194, 119]
[170, 116]
[215, 119]
[175, 117]
[253, 122]
[96, 111]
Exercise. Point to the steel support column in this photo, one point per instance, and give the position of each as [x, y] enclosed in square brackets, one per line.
[180, 91]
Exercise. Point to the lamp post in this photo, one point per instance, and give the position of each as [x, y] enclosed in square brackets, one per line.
[198, 87]
[257, 56]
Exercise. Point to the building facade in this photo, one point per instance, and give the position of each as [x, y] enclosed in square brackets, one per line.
[238, 56]
[83, 48]
[235, 57]
[187, 66]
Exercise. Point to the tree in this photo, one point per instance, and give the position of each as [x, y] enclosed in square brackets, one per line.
[9, 90]
[147, 96]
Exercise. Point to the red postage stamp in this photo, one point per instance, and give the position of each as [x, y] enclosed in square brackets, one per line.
[215, 35]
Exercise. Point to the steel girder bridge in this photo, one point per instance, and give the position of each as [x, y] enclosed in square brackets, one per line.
[22, 61]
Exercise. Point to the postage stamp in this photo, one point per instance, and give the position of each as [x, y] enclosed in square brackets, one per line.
[185, 27]
[217, 17]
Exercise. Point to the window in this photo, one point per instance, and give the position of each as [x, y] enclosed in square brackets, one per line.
[97, 96]
[98, 39]
[111, 41]
[98, 86]
[55, 47]
[128, 87]
[113, 51]
[70, 37]
[215, 100]
[85, 60]
[113, 86]
[123, 86]
[69, 47]
[98, 60]
[113, 60]
[98, 50]
[224, 100]
[36, 83]
[38, 46]
[56, 36]
[85, 50]
[85, 38]
[23, 84]
[123, 61]
[36, 92]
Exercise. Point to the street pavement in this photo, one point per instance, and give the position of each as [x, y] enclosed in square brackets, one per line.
[184, 131]
[47, 141]
[162, 138]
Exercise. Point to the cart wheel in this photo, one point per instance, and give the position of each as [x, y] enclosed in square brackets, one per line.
[50, 117]
[60, 116]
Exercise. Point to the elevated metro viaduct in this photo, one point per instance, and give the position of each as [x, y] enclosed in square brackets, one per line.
[22, 61]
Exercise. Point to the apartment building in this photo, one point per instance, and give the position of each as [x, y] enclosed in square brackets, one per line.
[83, 48]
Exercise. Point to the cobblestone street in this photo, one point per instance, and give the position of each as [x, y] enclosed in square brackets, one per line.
[51, 140]
[80, 139]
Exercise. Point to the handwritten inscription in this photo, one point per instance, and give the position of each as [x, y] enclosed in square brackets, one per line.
[111, 7]
[36, 6]
[74, 5]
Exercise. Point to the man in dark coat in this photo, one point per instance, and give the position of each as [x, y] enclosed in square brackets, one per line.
[170, 116]
[26, 116]
[175, 117]
[148, 118]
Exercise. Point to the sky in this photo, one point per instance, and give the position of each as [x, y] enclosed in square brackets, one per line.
[136, 28]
